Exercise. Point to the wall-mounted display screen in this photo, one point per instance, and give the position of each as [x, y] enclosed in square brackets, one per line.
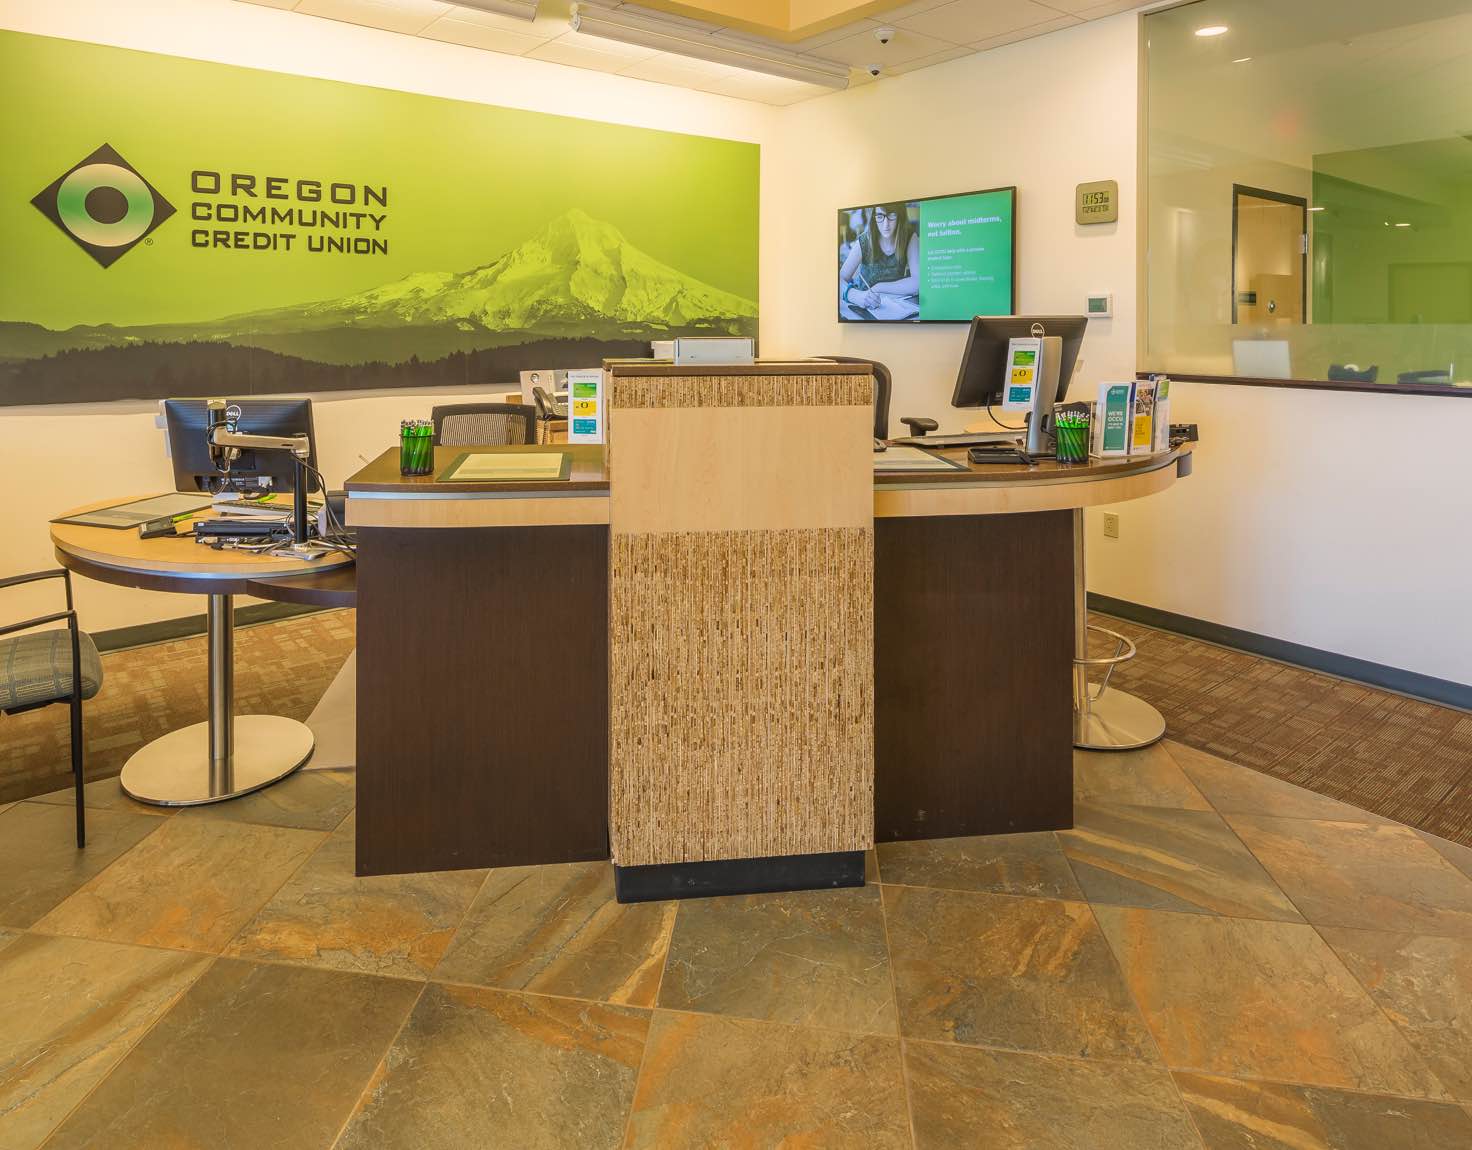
[944, 259]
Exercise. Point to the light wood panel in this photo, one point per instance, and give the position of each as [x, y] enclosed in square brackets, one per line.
[740, 468]
[741, 668]
[741, 616]
[485, 511]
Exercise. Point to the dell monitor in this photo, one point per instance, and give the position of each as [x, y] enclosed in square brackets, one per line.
[983, 365]
[195, 470]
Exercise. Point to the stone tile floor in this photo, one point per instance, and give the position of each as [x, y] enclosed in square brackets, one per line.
[1211, 957]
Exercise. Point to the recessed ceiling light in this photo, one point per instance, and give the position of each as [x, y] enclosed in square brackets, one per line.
[1318, 209]
[1241, 59]
[1212, 30]
[1402, 225]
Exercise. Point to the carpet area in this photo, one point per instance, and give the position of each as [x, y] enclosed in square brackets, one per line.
[1398, 757]
[1401, 758]
[281, 668]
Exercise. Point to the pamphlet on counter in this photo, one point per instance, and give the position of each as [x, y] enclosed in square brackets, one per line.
[1132, 417]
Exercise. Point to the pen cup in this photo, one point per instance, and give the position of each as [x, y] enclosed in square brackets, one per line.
[416, 447]
[1072, 425]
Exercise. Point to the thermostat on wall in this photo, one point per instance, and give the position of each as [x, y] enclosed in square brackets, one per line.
[1099, 305]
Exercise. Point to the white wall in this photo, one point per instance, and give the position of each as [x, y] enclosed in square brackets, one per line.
[1324, 518]
[55, 457]
[1045, 114]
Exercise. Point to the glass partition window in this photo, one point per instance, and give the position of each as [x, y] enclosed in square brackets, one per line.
[1309, 192]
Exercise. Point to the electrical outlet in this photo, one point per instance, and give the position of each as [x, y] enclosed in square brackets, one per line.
[1111, 525]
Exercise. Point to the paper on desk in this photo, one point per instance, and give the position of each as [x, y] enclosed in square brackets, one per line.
[512, 467]
[912, 459]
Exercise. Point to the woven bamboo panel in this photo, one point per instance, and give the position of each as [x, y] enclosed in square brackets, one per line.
[741, 669]
[742, 391]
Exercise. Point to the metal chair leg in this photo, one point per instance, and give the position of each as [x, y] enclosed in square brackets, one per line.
[79, 780]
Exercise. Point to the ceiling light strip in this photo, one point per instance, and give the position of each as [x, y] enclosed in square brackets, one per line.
[517, 9]
[646, 32]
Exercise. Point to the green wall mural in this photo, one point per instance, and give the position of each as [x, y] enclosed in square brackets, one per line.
[187, 228]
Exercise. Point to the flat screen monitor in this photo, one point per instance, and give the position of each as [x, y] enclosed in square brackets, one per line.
[194, 470]
[938, 260]
[983, 363]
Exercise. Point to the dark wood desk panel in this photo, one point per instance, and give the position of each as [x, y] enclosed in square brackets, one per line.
[973, 646]
[331, 589]
[472, 646]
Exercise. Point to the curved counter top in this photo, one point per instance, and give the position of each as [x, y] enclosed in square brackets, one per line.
[1010, 488]
[119, 556]
[380, 497]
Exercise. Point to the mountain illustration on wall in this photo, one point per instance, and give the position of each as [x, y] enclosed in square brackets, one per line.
[569, 295]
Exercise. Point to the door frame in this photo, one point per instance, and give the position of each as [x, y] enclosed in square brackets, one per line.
[1240, 190]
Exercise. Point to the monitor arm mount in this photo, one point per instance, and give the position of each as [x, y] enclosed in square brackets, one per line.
[226, 444]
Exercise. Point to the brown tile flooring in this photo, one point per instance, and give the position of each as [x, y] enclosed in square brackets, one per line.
[1210, 958]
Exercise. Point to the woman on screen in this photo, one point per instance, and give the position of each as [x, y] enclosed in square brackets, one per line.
[885, 261]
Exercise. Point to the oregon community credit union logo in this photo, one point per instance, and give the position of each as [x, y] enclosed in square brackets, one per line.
[104, 205]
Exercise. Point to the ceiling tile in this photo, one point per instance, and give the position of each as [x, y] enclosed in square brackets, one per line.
[410, 16]
[926, 61]
[903, 10]
[1094, 12]
[665, 68]
[840, 33]
[483, 36]
[607, 47]
[273, 3]
[1094, 9]
[574, 55]
[862, 49]
[587, 52]
[1055, 25]
[966, 21]
[774, 90]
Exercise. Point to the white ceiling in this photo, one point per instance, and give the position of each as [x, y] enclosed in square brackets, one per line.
[926, 32]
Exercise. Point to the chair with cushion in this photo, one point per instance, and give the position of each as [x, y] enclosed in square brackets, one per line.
[484, 424]
[36, 671]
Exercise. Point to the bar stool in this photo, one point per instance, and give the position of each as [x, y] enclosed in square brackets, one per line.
[1106, 719]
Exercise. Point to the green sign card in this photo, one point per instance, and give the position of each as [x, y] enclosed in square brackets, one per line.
[187, 228]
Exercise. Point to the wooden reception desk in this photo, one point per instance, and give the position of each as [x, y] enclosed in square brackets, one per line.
[723, 652]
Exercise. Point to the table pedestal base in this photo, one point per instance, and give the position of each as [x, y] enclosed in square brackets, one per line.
[174, 771]
[1117, 721]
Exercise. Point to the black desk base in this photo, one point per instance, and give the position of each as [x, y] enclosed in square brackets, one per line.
[738, 876]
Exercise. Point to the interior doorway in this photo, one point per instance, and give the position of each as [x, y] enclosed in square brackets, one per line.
[1269, 257]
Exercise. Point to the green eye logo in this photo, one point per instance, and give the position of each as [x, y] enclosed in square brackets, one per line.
[104, 205]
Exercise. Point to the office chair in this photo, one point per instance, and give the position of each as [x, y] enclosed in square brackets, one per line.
[549, 411]
[1439, 375]
[483, 424]
[1353, 373]
[883, 385]
[36, 671]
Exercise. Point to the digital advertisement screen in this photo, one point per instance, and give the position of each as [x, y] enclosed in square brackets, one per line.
[944, 259]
